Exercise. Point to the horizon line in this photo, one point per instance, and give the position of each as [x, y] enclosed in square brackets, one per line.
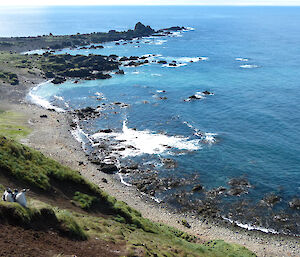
[140, 5]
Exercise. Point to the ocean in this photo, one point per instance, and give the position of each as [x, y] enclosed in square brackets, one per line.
[248, 57]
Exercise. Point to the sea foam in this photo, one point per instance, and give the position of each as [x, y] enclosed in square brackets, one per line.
[138, 142]
[249, 66]
[240, 59]
[251, 227]
[38, 100]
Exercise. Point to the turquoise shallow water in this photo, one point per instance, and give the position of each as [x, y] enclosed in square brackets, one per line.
[253, 114]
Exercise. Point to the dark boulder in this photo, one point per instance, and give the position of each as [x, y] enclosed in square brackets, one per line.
[169, 163]
[207, 93]
[216, 192]
[121, 72]
[133, 58]
[88, 110]
[194, 97]
[102, 76]
[123, 59]
[239, 182]
[108, 168]
[162, 62]
[237, 191]
[105, 131]
[271, 199]
[197, 188]
[58, 80]
[295, 203]
[133, 167]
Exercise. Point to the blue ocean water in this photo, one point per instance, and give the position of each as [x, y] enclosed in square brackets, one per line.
[252, 67]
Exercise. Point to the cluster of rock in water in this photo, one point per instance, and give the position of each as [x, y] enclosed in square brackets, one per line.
[63, 66]
[188, 195]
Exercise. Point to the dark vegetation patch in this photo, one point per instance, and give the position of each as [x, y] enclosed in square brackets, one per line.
[9, 77]
[78, 66]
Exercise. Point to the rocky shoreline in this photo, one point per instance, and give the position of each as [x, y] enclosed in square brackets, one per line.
[53, 136]
[186, 194]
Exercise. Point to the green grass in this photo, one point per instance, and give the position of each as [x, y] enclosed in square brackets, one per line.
[166, 242]
[14, 60]
[36, 170]
[85, 201]
[120, 224]
[69, 226]
[11, 125]
[36, 218]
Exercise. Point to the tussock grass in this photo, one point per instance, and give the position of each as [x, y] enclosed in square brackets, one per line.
[84, 201]
[69, 226]
[41, 218]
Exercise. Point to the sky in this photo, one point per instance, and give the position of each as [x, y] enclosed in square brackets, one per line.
[148, 2]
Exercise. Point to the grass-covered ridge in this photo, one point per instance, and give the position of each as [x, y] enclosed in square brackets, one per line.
[119, 223]
[36, 170]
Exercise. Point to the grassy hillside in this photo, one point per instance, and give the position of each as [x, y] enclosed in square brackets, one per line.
[62, 200]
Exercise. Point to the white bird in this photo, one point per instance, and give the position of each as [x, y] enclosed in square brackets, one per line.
[21, 197]
[8, 195]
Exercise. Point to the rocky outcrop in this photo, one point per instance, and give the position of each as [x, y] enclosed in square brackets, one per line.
[295, 203]
[239, 186]
[142, 30]
[87, 113]
[108, 168]
[58, 80]
[271, 199]
[78, 66]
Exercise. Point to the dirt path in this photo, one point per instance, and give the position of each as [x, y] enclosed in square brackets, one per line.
[19, 242]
